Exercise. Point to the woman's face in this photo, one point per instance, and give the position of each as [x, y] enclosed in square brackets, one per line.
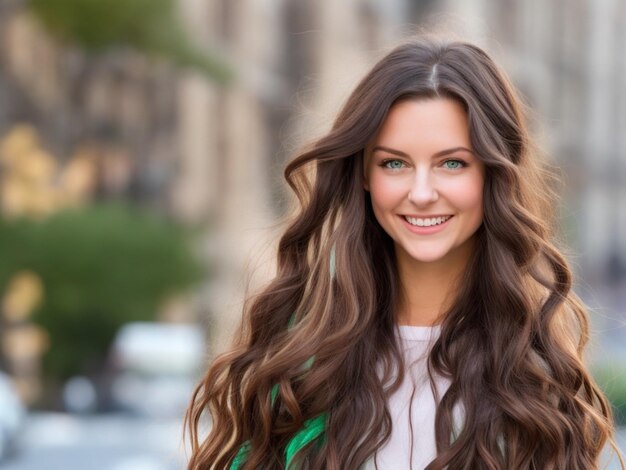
[425, 183]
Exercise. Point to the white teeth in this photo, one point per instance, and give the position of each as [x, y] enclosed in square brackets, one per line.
[426, 222]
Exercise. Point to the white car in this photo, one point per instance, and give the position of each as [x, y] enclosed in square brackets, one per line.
[155, 367]
[12, 414]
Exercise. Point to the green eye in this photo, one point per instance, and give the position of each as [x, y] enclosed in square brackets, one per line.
[393, 164]
[454, 164]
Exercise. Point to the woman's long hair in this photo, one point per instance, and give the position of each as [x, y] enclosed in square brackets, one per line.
[511, 344]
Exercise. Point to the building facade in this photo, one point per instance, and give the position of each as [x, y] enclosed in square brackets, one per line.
[215, 153]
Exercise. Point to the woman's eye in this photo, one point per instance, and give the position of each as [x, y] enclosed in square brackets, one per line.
[454, 164]
[392, 164]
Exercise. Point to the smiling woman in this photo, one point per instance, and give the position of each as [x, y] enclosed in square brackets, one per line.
[421, 315]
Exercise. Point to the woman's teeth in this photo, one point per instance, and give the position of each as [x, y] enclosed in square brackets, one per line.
[426, 222]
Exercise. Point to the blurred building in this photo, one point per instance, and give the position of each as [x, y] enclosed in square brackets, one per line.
[291, 57]
[299, 60]
[118, 107]
[209, 152]
[568, 57]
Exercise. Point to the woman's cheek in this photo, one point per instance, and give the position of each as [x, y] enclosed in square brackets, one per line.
[468, 197]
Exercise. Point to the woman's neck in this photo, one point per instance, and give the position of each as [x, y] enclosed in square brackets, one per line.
[423, 301]
[428, 289]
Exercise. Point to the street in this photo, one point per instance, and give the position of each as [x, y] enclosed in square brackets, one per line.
[56, 441]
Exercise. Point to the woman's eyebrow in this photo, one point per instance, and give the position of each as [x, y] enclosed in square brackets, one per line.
[441, 153]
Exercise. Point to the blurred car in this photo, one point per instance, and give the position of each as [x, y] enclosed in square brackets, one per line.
[12, 414]
[155, 367]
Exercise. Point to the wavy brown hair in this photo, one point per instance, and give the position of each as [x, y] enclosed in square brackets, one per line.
[511, 344]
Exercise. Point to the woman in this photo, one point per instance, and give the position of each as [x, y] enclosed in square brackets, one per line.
[427, 217]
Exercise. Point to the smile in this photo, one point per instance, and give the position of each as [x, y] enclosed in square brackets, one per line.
[426, 222]
[435, 224]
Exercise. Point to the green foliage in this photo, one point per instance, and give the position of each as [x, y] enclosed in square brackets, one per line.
[151, 26]
[611, 377]
[100, 267]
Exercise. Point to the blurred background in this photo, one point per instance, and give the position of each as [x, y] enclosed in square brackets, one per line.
[141, 152]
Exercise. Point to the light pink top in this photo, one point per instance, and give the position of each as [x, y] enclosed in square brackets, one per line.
[412, 406]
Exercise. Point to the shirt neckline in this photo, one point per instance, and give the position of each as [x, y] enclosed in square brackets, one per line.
[419, 333]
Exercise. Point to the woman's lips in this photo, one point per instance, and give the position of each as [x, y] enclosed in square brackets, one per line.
[425, 230]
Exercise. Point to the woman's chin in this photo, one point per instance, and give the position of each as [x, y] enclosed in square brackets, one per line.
[423, 256]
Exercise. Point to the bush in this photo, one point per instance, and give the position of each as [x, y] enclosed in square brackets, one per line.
[611, 377]
[100, 266]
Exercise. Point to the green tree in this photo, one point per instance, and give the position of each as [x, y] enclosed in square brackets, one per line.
[100, 266]
[153, 27]
[611, 376]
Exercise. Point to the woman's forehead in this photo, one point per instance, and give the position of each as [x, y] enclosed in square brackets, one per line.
[425, 126]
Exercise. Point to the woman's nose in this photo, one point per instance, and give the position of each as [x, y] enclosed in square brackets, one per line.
[423, 190]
